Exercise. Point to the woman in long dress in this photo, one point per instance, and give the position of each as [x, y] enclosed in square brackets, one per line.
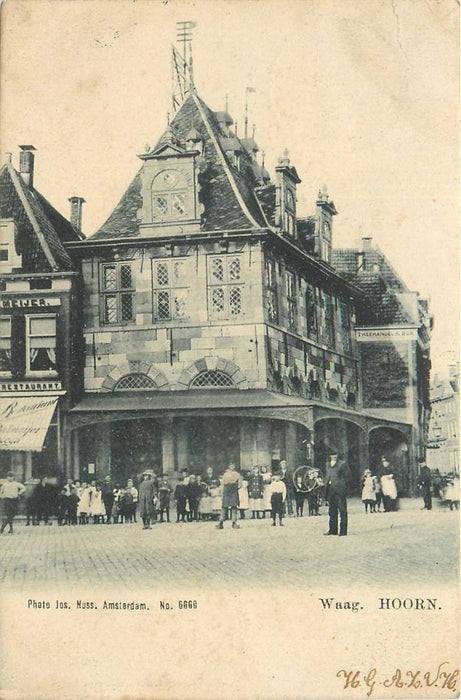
[97, 506]
[256, 493]
[83, 509]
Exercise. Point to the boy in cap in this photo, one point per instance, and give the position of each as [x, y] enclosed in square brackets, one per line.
[10, 491]
[278, 492]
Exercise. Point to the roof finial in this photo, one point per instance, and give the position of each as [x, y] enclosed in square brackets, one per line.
[227, 102]
[247, 90]
[182, 64]
[254, 130]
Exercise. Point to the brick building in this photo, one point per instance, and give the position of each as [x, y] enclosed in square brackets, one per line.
[40, 324]
[443, 441]
[216, 326]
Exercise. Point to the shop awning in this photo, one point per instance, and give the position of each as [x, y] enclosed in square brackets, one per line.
[186, 400]
[24, 421]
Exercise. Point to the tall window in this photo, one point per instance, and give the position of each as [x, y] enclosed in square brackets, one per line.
[290, 209]
[271, 290]
[5, 344]
[329, 321]
[169, 196]
[311, 313]
[117, 292]
[41, 344]
[290, 281]
[170, 289]
[225, 286]
[345, 326]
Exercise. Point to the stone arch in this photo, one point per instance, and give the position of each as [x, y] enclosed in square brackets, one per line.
[209, 364]
[135, 367]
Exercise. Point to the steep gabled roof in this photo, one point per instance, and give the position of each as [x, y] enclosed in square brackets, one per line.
[383, 288]
[227, 192]
[41, 228]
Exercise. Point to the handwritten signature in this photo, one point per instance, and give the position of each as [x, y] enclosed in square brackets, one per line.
[443, 678]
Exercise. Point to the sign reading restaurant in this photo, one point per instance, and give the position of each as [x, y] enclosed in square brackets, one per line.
[371, 334]
[28, 302]
[29, 386]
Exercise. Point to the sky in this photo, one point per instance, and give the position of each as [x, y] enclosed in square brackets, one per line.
[362, 93]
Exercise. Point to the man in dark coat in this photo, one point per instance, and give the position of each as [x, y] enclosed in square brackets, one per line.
[108, 498]
[42, 501]
[230, 496]
[336, 475]
[146, 500]
[425, 482]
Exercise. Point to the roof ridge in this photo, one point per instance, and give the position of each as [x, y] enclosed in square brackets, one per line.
[227, 170]
[24, 197]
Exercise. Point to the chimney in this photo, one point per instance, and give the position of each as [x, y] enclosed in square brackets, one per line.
[76, 212]
[26, 164]
[366, 243]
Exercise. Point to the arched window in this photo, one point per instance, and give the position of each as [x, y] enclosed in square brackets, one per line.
[333, 395]
[169, 196]
[135, 382]
[212, 378]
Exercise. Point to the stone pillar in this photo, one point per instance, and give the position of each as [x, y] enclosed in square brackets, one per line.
[168, 461]
[364, 457]
[291, 445]
[67, 452]
[182, 444]
[76, 454]
[28, 465]
[103, 450]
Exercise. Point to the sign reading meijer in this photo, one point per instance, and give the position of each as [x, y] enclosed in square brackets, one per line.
[29, 302]
[24, 422]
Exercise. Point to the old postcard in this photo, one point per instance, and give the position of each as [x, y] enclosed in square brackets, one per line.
[229, 370]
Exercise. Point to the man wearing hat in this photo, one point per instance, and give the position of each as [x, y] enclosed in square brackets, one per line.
[230, 483]
[10, 491]
[336, 475]
[425, 482]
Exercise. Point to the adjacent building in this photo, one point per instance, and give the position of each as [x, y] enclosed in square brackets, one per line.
[443, 440]
[40, 324]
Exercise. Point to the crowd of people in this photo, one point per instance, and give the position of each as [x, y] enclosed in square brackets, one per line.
[255, 494]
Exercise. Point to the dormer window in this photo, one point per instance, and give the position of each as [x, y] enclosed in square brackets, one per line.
[169, 196]
[290, 209]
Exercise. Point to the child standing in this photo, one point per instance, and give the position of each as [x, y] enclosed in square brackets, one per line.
[369, 491]
[11, 491]
[278, 494]
[299, 497]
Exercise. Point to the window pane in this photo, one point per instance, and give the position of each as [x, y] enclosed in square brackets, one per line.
[235, 301]
[180, 303]
[161, 206]
[5, 360]
[43, 326]
[179, 270]
[162, 274]
[163, 305]
[234, 269]
[217, 300]
[5, 331]
[126, 281]
[109, 277]
[42, 359]
[126, 306]
[217, 269]
[179, 203]
[110, 308]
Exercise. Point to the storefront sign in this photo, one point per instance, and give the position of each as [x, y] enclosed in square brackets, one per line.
[29, 302]
[24, 421]
[386, 334]
[7, 387]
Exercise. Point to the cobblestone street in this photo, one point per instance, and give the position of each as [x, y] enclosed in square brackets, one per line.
[409, 545]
